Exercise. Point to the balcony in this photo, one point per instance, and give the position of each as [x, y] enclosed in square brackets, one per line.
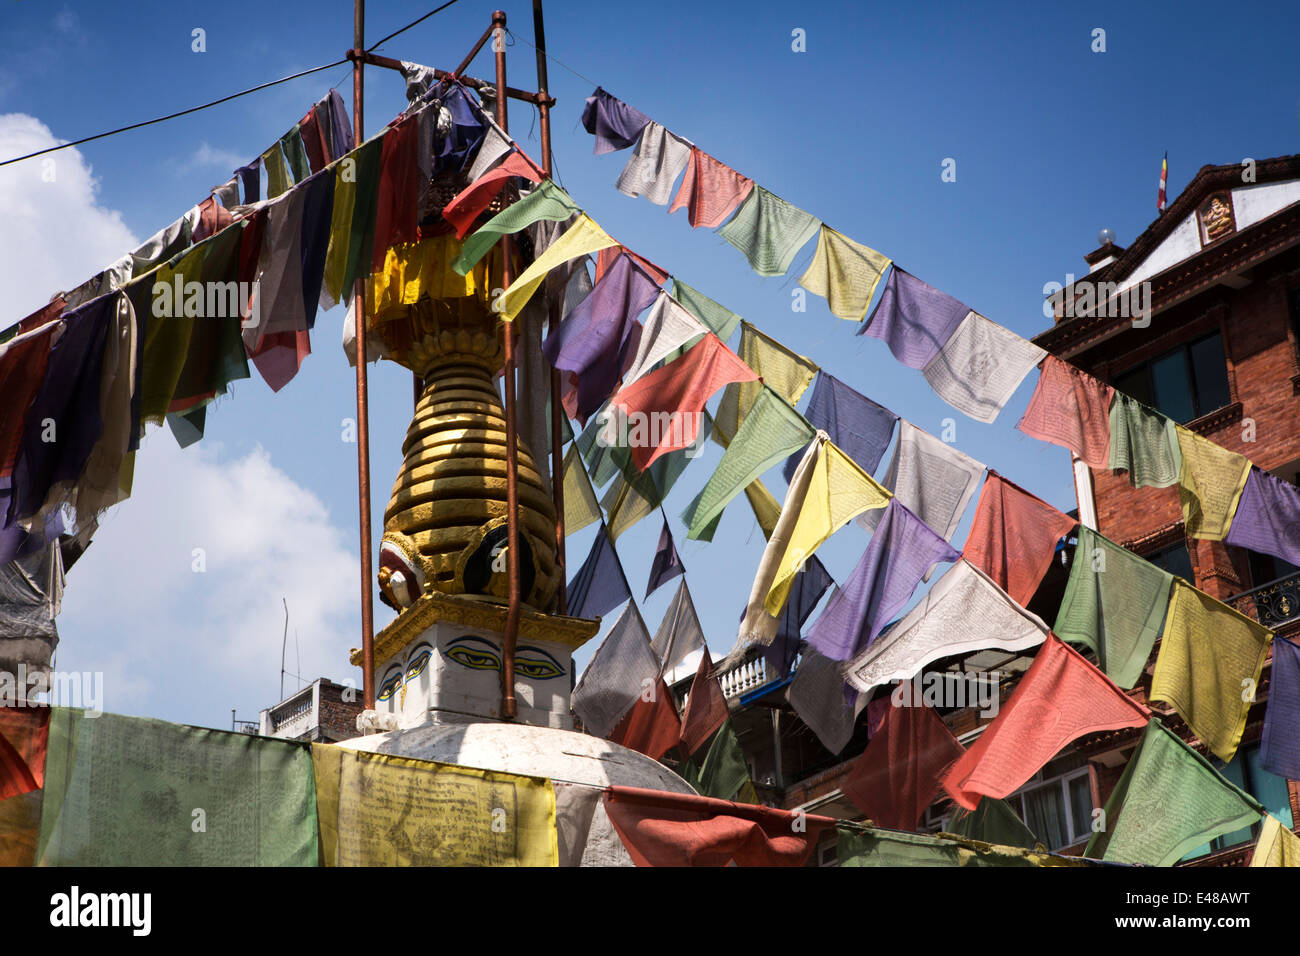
[1273, 604]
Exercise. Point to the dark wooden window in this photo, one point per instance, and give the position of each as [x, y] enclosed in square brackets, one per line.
[1175, 560]
[1185, 383]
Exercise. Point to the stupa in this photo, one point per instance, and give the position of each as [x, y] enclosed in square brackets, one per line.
[443, 563]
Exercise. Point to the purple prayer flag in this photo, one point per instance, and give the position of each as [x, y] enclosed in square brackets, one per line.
[250, 178]
[667, 565]
[340, 130]
[600, 584]
[614, 124]
[915, 319]
[318, 206]
[857, 425]
[902, 549]
[1279, 750]
[1267, 517]
[807, 589]
[69, 398]
[599, 338]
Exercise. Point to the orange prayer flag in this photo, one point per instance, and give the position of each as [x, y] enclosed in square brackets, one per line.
[1013, 537]
[1071, 408]
[651, 727]
[706, 708]
[24, 734]
[1060, 698]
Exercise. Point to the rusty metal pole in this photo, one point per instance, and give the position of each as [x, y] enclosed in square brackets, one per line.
[508, 709]
[363, 412]
[557, 453]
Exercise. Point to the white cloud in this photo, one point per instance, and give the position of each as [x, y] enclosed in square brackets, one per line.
[187, 644]
[206, 156]
[55, 235]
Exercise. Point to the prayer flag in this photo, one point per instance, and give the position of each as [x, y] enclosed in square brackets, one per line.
[1169, 801]
[366, 167]
[277, 173]
[382, 810]
[623, 668]
[1279, 749]
[1072, 409]
[725, 770]
[902, 549]
[1277, 845]
[805, 592]
[547, 203]
[706, 707]
[670, 829]
[980, 367]
[1144, 443]
[1267, 517]
[720, 320]
[818, 696]
[769, 231]
[468, 204]
[1013, 538]
[580, 508]
[854, 422]
[397, 202]
[1209, 485]
[914, 319]
[781, 370]
[24, 737]
[614, 124]
[654, 165]
[666, 564]
[1114, 603]
[992, 821]
[844, 273]
[668, 328]
[652, 726]
[710, 190]
[600, 584]
[770, 431]
[582, 238]
[679, 634]
[898, 774]
[121, 791]
[1060, 698]
[295, 154]
[1209, 665]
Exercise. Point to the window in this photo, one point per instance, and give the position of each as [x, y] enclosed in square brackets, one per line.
[1184, 384]
[1058, 811]
[1175, 560]
[1269, 789]
[1265, 568]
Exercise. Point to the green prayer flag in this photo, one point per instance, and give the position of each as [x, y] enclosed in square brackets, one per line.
[277, 174]
[1144, 443]
[993, 821]
[1114, 603]
[724, 770]
[1169, 801]
[870, 847]
[131, 791]
[361, 236]
[770, 433]
[769, 231]
[720, 320]
[547, 201]
[291, 143]
[164, 329]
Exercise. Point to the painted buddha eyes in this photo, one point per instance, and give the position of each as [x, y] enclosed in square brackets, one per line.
[389, 687]
[532, 663]
[418, 662]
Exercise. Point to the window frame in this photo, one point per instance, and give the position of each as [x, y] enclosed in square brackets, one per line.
[1063, 780]
[1190, 371]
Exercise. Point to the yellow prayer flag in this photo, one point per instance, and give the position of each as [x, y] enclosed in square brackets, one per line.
[582, 238]
[1209, 665]
[580, 507]
[838, 492]
[1209, 485]
[766, 508]
[415, 269]
[380, 810]
[785, 372]
[336, 258]
[1277, 845]
[844, 273]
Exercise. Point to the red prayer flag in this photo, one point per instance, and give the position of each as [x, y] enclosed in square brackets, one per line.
[1071, 408]
[669, 400]
[711, 190]
[651, 727]
[899, 773]
[674, 829]
[607, 256]
[312, 142]
[22, 371]
[706, 708]
[1013, 537]
[280, 354]
[24, 734]
[1060, 698]
[213, 217]
[467, 205]
[398, 201]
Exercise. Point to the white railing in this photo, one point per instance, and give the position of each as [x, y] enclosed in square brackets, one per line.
[747, 676]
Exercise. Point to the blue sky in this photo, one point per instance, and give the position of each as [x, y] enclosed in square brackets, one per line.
[1052, 142]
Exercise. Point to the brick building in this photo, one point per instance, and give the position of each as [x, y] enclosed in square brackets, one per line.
[1214, 344]
[322, 712]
